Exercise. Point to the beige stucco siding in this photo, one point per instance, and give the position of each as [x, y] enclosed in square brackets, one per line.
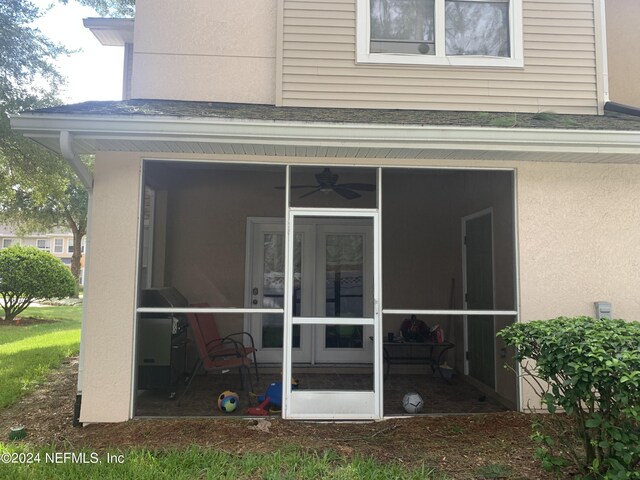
[206, 51]
[579, 239]
[623, 36]
[319, 69]
[108, 325]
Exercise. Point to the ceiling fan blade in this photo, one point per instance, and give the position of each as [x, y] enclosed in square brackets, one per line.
[311, 192]
[346, 193]
[365, 187]
[297, 186]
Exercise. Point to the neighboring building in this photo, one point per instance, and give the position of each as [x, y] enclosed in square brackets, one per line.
[450, 159]
[59, 243]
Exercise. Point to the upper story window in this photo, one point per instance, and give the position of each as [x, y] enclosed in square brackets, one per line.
[42, 244]
[6, 242]
[440, 32]
[58, 245]
[82, 245]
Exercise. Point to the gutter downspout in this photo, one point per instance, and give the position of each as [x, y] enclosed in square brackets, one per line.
[602, 64]
[66, 147]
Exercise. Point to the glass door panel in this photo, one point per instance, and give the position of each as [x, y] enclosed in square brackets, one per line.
[267, 291]
[345, 289]
[273, 288]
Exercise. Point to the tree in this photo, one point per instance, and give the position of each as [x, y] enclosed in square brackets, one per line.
[38, 190]
[26, 274]
[110, 8]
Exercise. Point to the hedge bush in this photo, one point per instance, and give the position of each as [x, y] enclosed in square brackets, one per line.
[26, 274]
[589, 369]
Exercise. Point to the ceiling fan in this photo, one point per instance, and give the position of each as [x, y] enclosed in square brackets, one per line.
[328, 182]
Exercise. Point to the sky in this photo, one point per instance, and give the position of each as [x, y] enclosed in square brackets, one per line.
[95, 72]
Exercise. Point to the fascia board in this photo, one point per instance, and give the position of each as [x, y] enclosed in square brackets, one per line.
[328, 134]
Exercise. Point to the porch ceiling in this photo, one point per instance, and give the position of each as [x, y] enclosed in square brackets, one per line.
[390, 135]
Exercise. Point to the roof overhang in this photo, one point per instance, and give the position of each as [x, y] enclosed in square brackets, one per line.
[180, 135]
[111, 32]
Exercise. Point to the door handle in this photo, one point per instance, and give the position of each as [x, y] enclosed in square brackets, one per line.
[254, 291]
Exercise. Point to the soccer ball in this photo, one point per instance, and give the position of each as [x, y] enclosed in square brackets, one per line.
[412, 402]
[228, 401]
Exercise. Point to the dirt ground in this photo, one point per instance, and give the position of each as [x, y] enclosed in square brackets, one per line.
[459, 446]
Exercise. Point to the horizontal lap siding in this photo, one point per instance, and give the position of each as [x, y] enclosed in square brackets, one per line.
[318, 65]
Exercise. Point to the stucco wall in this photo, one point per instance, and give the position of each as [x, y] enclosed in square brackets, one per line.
[623, 37]
[203, 50]
[110, 305]
[579, 239]
[578, 234]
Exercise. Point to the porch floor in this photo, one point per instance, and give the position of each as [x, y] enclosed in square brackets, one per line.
[201, 398]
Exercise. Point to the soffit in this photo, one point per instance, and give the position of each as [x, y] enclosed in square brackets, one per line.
[394, 135]
[111, 32]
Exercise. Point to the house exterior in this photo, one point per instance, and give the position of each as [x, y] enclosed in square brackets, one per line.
[59, 243]
[474, 180]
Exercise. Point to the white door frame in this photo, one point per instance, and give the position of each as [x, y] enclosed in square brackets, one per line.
[311, 349]
[465, 318]
[321, 404]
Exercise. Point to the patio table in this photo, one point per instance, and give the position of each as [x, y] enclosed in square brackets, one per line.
[429, 353]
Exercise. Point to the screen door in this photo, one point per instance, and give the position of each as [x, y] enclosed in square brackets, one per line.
[347, 320]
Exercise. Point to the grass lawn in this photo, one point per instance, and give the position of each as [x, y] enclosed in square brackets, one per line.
[28, 352]
[201, 463]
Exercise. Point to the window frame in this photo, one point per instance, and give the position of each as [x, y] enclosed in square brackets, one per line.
[363, 37]
[45, 246]
[56, 246]
[7, 242]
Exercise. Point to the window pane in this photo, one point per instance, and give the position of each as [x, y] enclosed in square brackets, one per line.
[477, 28]
[273, 289]
[344, 279]
[402, 26]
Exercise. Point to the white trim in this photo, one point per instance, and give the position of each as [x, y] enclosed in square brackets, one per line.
[169, 129]
[136, 292]
[363, 31]
[287, 343]
[378, 379]
[394, 311]
[320, 404]
[516, 261]
[332, 321]
[209, 310]
[602, 63]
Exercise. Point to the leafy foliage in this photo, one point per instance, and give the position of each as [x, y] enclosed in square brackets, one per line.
[591, 370]
[28, 76]
[38, 190]
[110, 8]
[27, 273]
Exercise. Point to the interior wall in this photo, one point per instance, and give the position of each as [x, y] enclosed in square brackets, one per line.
[206, 233]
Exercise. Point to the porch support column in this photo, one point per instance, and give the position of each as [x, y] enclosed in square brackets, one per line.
[110, 305]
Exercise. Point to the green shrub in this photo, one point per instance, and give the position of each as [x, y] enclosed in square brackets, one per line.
[26, 274]
[590, 369]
